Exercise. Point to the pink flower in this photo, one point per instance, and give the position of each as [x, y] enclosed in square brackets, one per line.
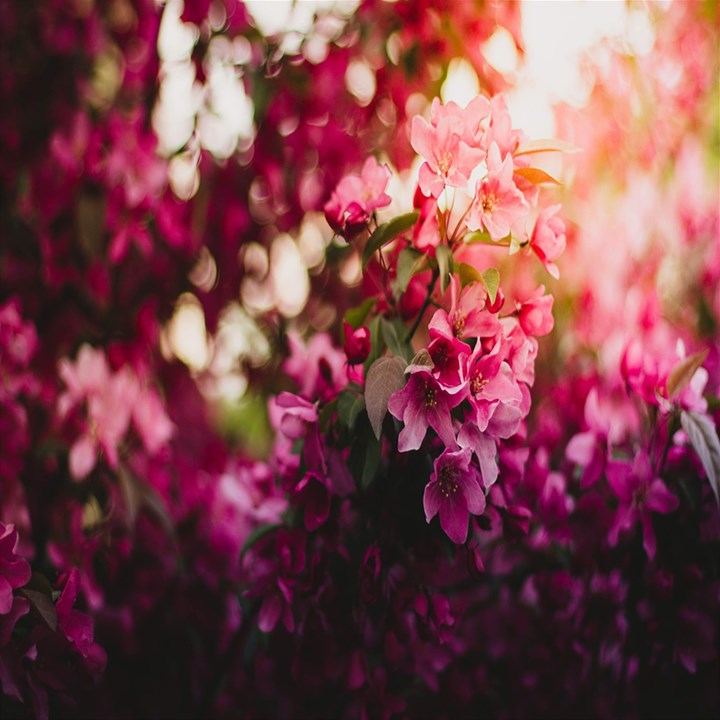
[500, 130]
[535, 313]
[548, 239]
[640, 494]
[88, 375]
[292, 414]
[498, 204]
[454, 491]
[426, 234]
[423, 403]
[357, 197]
[485, 449]
[590, 449]
[318, 367]
[471, 117]
[467, 317]
[150, 420]
[448, 159]
[491, 381]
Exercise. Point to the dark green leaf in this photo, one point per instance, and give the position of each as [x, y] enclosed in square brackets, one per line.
[393, 333]
[40, 583]
[257, 534]
[326, 414]
[377, 343]
[350, 405]
[356, 316]
[372, 462]
[386, 232]
[409, 262]
[42, 605]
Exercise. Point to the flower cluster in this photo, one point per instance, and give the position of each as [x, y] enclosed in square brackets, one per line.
[450, 451]
[112, 399]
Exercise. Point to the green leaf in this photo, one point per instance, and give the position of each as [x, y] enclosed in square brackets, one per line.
[385, 377]
[356, 316]
[350, 405]
[468, 274]
[137, 495]
[536, 175]
[257, 534]
[478, 238]
[703, 436]
[377, 343]
[372, 462]
[326, 414]
[545, 145]
[514, 246]
[409, 262]
[491, 280]
[681, 375]
[386, 232]
[39, 583]
[393, 333]
[444, 257]
[42, 605]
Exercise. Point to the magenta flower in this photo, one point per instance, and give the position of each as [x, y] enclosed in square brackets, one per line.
[14, 570]
[357, 343]
[590, 449]
[78, 627]
[454, 491]
[423, 403]
[640, 494]
[498, 204]
[313, 493]
[277, 605]
[450, 356]
[491, 381]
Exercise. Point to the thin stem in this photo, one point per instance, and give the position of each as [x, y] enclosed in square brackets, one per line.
[459, 223]
[425, 306]
[671, 430]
